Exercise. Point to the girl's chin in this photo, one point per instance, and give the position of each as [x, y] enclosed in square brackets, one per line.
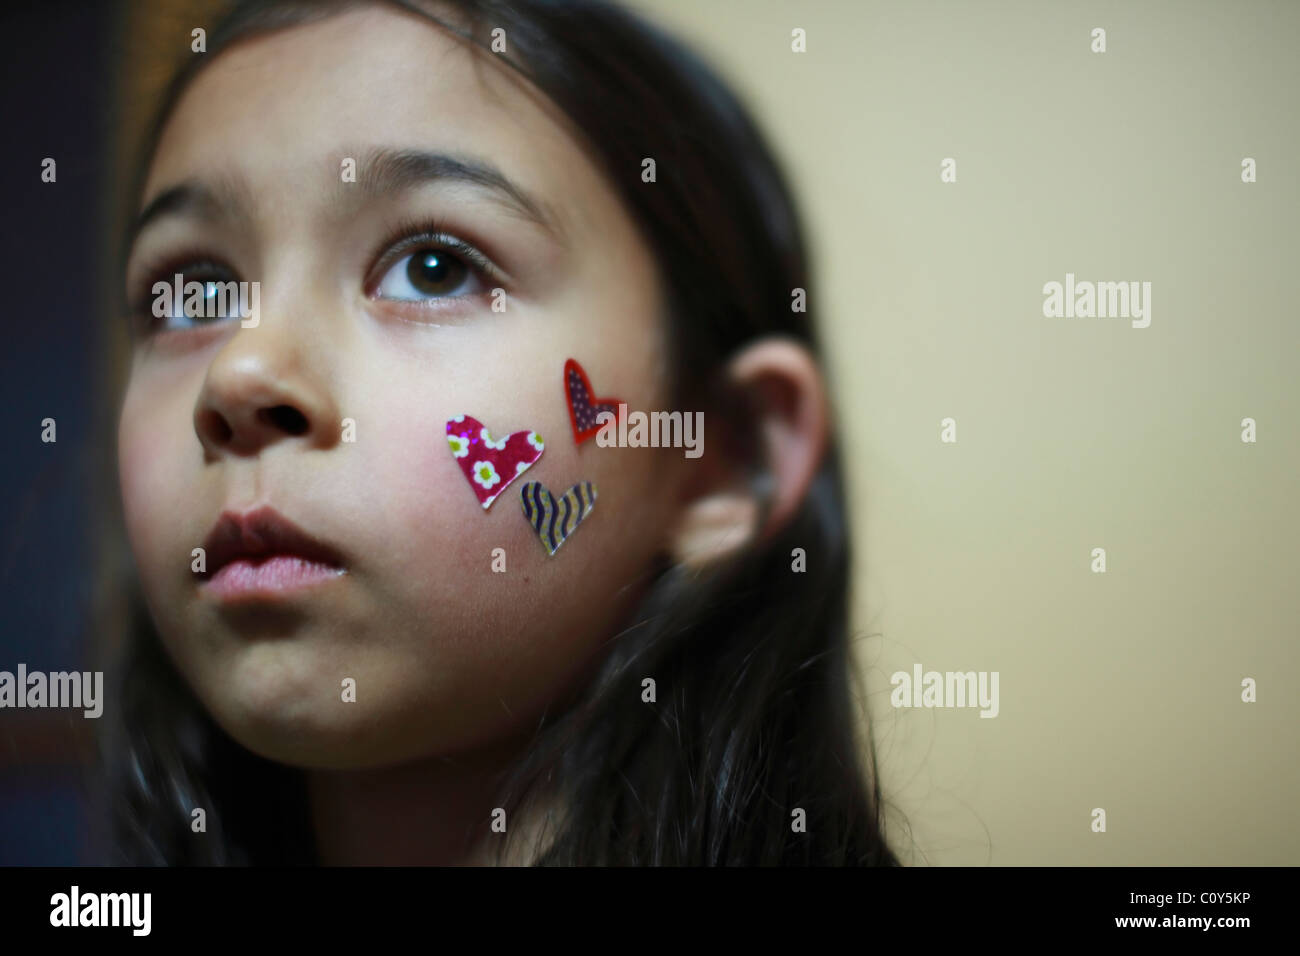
[333, 749]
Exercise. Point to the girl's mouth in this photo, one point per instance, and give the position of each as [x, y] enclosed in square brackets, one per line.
[261, 554]
[266, 577]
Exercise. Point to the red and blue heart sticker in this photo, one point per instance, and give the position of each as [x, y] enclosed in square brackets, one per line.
[490, 464]
[584, 408]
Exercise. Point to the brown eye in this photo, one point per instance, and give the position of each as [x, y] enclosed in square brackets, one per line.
[434, 272]
[426, 273]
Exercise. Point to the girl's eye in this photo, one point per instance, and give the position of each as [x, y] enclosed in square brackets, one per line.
[205, 294]
[429, 273]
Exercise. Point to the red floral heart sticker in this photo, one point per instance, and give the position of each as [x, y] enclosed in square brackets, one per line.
[583, 407]
[490, 464]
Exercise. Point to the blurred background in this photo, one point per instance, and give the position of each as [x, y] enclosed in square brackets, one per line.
[1120, 690]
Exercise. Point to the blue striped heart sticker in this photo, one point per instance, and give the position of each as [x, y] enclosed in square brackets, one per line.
[553, 520]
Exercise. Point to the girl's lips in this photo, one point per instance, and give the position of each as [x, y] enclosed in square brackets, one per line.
[267, 577]
[262, 554]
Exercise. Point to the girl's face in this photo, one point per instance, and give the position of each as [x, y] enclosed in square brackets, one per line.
[356, 324]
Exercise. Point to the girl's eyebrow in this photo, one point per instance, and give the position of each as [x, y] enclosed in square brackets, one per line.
[380, 172]
[227, 198]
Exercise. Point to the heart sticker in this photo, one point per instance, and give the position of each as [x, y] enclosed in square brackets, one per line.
[583, 407]
[555, 520]
[490, 464]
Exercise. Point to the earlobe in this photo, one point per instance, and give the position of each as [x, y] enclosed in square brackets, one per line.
[738, 502]
[715, 526]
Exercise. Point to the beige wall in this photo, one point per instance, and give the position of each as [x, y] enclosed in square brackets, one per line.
[1119, 690]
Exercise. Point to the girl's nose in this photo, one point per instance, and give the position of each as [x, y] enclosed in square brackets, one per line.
[261, 389]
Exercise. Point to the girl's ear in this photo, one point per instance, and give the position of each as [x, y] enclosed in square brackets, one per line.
[774, 441]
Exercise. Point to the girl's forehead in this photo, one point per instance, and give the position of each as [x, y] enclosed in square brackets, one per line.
[282, 107]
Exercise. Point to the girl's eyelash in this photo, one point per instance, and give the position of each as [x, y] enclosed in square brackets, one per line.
[188, 263]
[412, 234]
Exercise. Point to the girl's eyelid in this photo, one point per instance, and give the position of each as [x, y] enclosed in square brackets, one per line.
[164, 269]
[415, 235]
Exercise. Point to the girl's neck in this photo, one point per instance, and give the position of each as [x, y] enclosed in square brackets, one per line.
[433, 812]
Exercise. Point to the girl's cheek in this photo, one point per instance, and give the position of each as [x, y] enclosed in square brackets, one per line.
[154, 491]
[145, 452]
[492, 560]
[437, 509]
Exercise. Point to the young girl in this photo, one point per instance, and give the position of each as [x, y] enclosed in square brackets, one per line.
[361, 637]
